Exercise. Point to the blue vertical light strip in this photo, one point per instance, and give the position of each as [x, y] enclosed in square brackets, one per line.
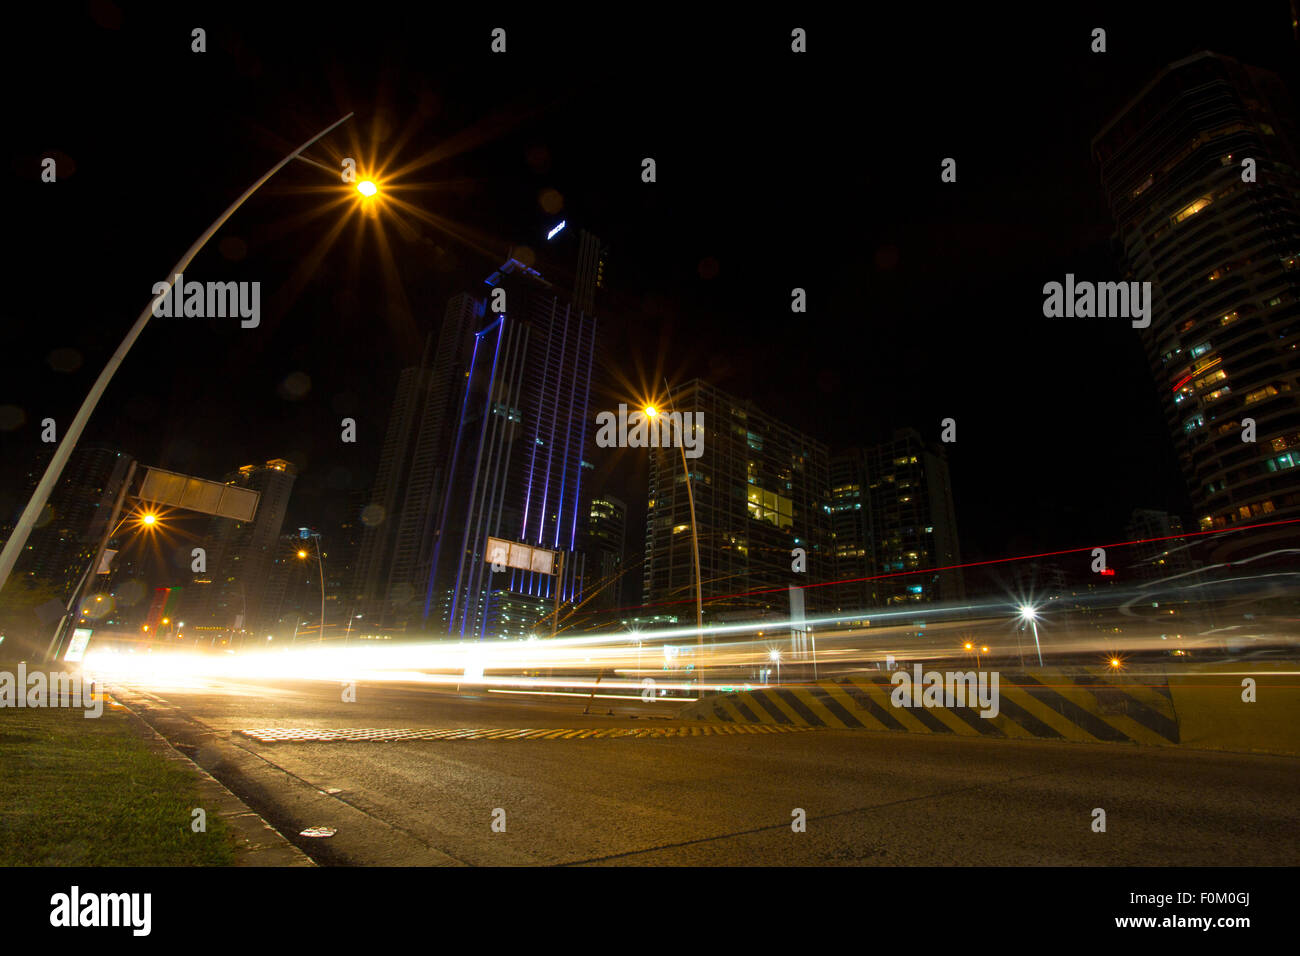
[460, 568]
[532, 464]
[550, 451]
[582, 442]
[568, 427]
[451, 480]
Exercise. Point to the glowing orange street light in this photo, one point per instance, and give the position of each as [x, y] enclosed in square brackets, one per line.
[367, 188]
[302, 554]
[149, 519]
[651, 411]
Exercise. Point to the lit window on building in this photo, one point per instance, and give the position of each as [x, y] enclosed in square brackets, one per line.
[1191, 209]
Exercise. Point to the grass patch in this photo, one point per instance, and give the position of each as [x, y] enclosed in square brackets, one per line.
[79, 792]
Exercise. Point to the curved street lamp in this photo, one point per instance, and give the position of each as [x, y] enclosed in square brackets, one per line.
[27, 521]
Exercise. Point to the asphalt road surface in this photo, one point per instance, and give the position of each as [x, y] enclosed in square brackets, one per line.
[868, 798]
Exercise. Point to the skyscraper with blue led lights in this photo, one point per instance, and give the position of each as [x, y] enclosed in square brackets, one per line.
[515, 468]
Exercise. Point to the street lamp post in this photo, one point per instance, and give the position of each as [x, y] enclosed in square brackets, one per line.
[651, 412]
[320, 564]
[1030, 614]
[27, 520]
[56, 642]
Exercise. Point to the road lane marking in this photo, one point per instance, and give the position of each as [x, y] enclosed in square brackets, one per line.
[271, 735]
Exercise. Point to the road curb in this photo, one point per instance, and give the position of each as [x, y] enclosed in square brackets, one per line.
[257, 843]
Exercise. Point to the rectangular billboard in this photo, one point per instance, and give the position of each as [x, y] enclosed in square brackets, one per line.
[199, 494]
[524, 557]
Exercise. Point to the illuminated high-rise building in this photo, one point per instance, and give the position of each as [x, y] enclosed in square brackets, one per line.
[1202, 176]
[515, 469]
[760, 493]
[894, 523]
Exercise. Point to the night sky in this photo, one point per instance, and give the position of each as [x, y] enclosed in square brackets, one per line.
[774, 171]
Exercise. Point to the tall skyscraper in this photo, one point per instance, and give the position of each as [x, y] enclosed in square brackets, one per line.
[516, 463]
[574, 260]
[1202, 176]
[396, 552]
[853, 543]
[232, 593]
[892, 512]
[382, 516]
[605, 546]
[913, 519]
[760, 492]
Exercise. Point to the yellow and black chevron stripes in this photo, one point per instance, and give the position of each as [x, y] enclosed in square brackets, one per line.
[1081, 704]
[389, 734]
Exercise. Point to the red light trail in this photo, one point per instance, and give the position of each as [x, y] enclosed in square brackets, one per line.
[973, 564]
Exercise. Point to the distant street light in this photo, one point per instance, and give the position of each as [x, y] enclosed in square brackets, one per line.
[36, 504]
[320, 563]
[1030, 614]
[367, 188]
[775, 656]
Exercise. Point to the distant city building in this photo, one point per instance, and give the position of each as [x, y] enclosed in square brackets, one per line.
[342, 553]
[605, 545]
[1159, 552]
[913, 520]
[395, 552]
[853, 544]
[893, 519]
[292, 598]
[1223, 258]
[1036, 582]
[760, 493]
[74, 519]
[240, 555]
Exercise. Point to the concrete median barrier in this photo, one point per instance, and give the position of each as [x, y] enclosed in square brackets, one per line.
[1199, 708]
